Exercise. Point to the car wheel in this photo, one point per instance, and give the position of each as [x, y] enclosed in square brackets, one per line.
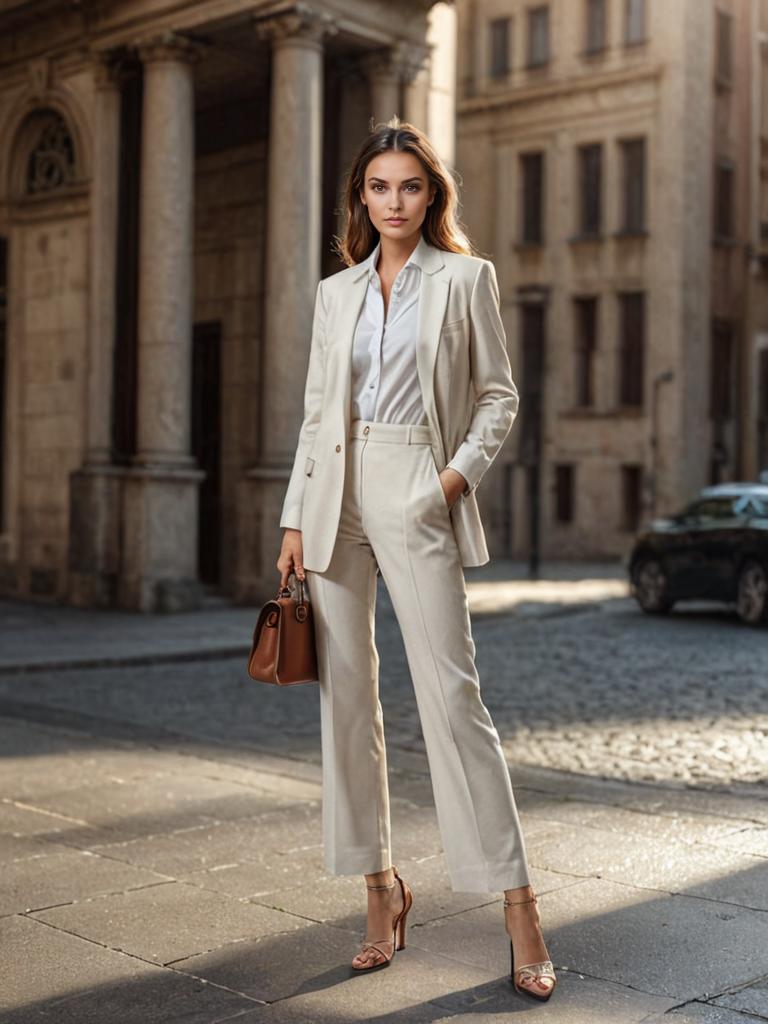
[752, 593]
[651, 588]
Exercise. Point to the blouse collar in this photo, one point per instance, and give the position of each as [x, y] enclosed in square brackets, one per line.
[416, 258]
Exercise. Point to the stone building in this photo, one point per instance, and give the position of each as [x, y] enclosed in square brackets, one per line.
[615, 162]
[169, 183]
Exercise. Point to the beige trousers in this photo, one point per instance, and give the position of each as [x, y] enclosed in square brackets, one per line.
[394, 516]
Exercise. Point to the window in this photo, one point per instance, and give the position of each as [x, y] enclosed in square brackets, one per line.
[532, 214]
[499, 43]
[585, 310]
[721, 371]
[590, 185]
[633, 185]
[564, 491]
[531, 400]
[538, 36]
[724, 64]
[631, 348]
[51, 164]
[631, 496]
[595, 26]
[751, 505]
[724, 200]
[634, 24]
[711, 508]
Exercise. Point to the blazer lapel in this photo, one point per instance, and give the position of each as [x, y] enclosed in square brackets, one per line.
[433, 299]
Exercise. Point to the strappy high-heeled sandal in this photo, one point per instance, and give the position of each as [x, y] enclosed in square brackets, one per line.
[398, 926]
[543, 969]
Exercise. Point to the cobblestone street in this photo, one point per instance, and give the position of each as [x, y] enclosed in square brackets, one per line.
[617, 694]
[160, 823]
[600, 689]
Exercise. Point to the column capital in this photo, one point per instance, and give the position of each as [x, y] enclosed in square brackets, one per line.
[411, 58]
[300, 21]
[109, 67]
[400, 62]
[168, 46]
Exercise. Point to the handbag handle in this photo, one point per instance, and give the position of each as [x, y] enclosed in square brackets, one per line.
[286, 591]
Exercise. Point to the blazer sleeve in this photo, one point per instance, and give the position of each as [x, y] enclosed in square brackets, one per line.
[290, 515]
[496, 396]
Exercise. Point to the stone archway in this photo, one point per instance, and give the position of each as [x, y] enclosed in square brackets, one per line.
[46, 232]
[50, 118]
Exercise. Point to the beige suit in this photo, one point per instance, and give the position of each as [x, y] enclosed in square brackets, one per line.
[367, 496]
[469, 395]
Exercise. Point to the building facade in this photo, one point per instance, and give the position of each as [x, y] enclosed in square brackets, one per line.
[615, 160]
[169, 186]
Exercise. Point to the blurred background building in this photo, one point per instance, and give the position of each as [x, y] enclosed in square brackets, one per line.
[615, 156]
[169, 181]
[166, 169]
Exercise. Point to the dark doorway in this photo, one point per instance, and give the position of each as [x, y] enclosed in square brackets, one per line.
[125, 369]
[3, 307]
[206, 445]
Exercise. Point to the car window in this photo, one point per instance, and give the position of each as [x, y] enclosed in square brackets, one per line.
[711, 509]
[754, 506]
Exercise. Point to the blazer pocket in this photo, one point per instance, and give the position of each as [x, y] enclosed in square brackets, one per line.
[454, 325]
[309, 465]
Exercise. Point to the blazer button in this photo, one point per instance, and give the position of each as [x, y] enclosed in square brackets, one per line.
[338, 447]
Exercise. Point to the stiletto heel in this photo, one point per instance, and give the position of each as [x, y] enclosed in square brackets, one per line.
[398, 926]
[543, 969]
[407, 903]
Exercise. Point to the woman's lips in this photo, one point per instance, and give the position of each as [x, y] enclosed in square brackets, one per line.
[395, 220]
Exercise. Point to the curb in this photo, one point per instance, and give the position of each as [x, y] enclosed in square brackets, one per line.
[118, 661]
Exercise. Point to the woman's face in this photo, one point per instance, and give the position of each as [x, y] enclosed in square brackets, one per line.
[396, 186]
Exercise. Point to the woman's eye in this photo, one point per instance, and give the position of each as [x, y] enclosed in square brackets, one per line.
[377, 187]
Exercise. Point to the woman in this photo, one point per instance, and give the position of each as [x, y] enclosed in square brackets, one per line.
[408, 399]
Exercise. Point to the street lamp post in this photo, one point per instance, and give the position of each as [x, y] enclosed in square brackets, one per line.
[658, 380]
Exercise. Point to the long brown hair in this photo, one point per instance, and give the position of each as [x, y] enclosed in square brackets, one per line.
[441, 225]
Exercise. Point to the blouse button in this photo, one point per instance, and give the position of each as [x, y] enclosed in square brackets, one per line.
[338, 447]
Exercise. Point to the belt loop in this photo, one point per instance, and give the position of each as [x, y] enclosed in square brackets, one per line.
[410, 433]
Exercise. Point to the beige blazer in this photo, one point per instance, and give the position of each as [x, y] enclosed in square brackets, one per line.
[466, 382]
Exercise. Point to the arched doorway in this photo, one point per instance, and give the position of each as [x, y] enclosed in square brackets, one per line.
[43, 357]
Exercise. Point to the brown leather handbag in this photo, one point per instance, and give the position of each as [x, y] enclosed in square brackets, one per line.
[283, 648]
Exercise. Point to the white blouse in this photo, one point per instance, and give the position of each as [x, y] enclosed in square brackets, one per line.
[385, 383]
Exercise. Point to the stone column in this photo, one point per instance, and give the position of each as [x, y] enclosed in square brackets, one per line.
[165, 252]
[94, 519]
[292, 262]
[392, 71]
[383, 76]
[415, 67]
[161, 489]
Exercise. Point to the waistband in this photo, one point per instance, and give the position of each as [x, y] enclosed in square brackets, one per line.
[392, 433]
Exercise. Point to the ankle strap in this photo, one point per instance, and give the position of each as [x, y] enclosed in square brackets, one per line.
[514, 903]
[380, 888]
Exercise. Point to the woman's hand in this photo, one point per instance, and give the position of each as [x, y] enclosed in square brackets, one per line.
[291, 556]
[453, 484]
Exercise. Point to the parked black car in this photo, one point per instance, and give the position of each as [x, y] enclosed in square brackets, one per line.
[716, 548]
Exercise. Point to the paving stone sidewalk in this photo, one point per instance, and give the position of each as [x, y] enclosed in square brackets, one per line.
[162, 868]
[43, 637]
